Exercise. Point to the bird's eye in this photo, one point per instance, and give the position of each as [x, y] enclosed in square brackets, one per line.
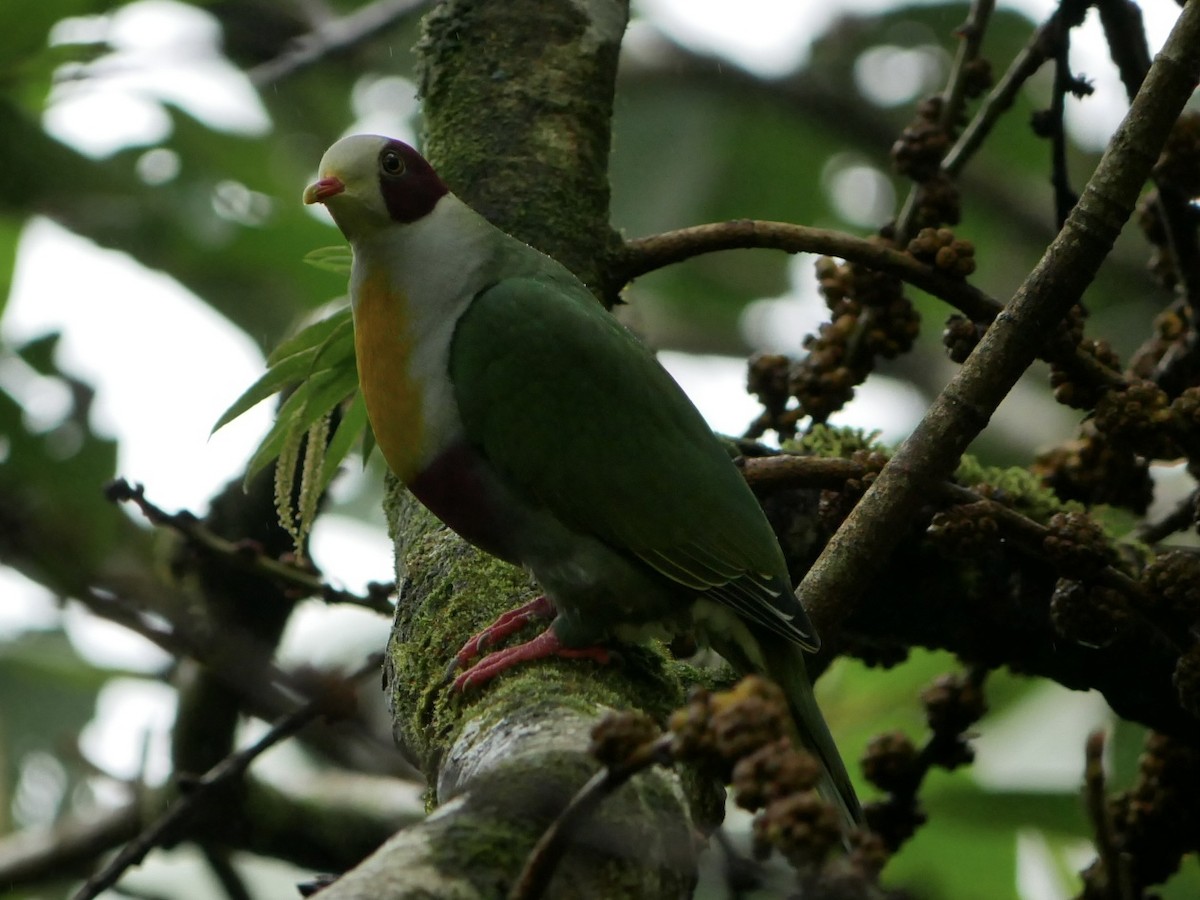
[391, 162]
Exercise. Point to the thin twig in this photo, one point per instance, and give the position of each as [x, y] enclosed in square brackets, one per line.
[336, 36]
[1096, 800]
[226, 873]
[71, 844]
[226, 771]
[1000, 100]
[539, 866]
[1126, 36]
[1055, 128]
[971, 34]
[247, 555]
[896, 817]
[647, 254]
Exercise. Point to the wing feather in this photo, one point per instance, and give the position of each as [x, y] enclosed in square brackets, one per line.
[626, 456]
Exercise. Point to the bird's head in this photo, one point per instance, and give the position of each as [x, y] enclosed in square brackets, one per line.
[368, 182]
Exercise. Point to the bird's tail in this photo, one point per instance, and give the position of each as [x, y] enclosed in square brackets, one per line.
[784, 664]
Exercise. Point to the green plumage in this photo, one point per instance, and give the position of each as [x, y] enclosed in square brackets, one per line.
[576, 414]
[541, 430]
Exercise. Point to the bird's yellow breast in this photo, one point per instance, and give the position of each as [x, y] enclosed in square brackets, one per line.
[393, 395]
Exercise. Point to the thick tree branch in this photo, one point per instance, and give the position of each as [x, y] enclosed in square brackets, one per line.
[513, 112]
[504, 761]
[860, 548]
[508, 117]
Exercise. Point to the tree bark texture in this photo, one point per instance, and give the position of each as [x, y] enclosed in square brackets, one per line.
[520, 129]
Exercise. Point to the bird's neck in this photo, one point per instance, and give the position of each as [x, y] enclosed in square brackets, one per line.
[446, 256]
[409, 286]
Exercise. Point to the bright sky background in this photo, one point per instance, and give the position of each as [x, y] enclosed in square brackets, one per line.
[168, 51]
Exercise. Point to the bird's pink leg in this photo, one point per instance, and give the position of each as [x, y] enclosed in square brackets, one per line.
[509, 623]
[543, 646]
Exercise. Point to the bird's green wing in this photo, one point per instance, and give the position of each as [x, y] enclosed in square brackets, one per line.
[573, 410]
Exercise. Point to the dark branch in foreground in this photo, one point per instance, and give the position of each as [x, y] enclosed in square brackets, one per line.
[535, 877]
[248, 555]
[336, 36]
[229, 769]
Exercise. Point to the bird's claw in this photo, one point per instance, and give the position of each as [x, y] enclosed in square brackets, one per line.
[543, 646]
[509, 623]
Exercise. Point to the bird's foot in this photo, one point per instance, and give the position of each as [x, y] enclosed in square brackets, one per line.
[509, 623]
[543, 646]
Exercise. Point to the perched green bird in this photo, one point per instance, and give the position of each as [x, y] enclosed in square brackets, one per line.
[532, 423]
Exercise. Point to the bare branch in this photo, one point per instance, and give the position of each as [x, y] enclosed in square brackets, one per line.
[248, 555]
[642, 255]
[333, 37]
[953, 96]
[71, 845]
[226, 771]
[539, 867]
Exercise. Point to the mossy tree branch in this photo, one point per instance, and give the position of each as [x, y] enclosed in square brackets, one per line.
[516, 110]
[504, 761]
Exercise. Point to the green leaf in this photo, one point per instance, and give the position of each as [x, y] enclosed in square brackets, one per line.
[337, 259]
[10, 234]
[352, 425]
[315, 397]
[368, 444]
[314, 337]
[326, 345]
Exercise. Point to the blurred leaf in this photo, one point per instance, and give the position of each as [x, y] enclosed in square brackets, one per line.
[1126, 742]
[1185, 885]
[27, 25]
[10, 234]
[368, 443]
[58, 526]
[336, 259]
[977, 830]
[951, 859]
[1009, 811]
[47, 696]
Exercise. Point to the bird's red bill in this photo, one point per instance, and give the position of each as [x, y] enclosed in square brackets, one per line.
[322, 190]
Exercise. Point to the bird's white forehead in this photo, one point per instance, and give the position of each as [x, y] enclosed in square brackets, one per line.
[351, 153]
